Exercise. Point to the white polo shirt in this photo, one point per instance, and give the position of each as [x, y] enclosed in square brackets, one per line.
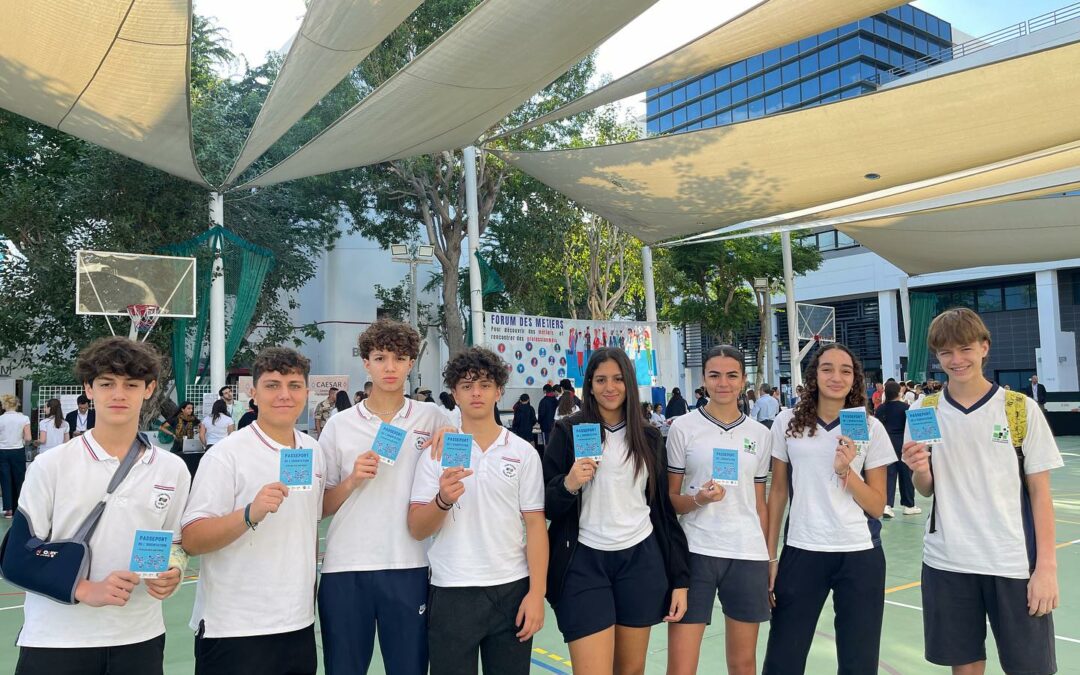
[264, 582]
[823, 516]
[979, 523]
[482, 539]
[12, 424]
[614, 513]
[731, 527]
[370, 531]
[62, 487]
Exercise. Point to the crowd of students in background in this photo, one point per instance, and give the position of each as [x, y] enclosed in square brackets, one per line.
[616, 527]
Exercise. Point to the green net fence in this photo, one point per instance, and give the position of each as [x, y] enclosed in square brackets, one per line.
[245, 267]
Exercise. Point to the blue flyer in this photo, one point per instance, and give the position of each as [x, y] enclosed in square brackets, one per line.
[854, 425]
[388, 442]
[725, 466]
[150, 553]
[923, 425]
[456, 450]
[295, 468]
[587, 442]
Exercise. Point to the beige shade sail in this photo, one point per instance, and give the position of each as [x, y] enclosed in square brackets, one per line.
[1027, 231]
[673, 186]
[767, 25]
[335, 36]
[111, 72]
[490, 62]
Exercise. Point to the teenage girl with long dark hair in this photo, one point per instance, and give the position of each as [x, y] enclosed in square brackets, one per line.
[832, 535]
[618, 555]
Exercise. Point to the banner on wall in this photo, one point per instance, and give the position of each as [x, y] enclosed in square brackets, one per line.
[319, 388]
[542, 349]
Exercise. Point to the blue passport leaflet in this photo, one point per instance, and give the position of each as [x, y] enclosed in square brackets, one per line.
[587, 442]
[295, 468]
[923, 425]
[854, 425]
[388, 442]
[150, 553]
[725, 466]
[456, 450]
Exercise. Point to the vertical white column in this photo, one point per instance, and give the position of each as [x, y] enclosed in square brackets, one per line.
[792, 316]
[905, 307]
[889, 328]
[476, 284]
[217, 300]
[650, 289]
[1056, 363]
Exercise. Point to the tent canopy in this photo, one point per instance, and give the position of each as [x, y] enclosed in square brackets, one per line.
[488, 64]
[1029, 231]
[670, 186]
[111, 72]
[336, 36]
[767, 25]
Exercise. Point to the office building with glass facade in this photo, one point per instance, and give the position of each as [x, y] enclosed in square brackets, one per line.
[836, 64]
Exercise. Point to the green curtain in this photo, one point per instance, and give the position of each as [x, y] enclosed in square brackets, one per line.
[922, 311]
[491, 281]
[245, 267]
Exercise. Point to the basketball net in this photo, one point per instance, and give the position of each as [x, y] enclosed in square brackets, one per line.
[143, 319]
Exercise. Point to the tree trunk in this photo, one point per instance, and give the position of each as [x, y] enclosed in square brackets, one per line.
[455, 332]
[763, 338]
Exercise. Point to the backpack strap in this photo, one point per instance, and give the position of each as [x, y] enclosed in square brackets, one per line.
[1016, 416]
[931, 401]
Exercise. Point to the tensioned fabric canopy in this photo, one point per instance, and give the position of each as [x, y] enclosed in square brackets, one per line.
[336, 36]
[670, 186]
[767, 25]
[1028, 231]
[480, 70]
[112, 72]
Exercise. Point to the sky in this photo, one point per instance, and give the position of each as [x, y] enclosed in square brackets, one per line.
[257, 26]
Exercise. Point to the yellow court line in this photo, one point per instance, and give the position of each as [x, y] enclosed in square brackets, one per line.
[1068, 543]
[894, 589]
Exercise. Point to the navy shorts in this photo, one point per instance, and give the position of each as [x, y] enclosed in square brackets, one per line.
[956, 607]
[742, 587]
[605, 588]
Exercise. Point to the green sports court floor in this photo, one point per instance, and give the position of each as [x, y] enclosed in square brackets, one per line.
[901, 650]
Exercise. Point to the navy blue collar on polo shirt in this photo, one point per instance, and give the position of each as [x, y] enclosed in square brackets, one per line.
[974, 406]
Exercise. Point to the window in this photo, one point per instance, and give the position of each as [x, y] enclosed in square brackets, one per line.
[881, 29]
[826, 241]
[723, 76]
[738, 70]
[829, 56]
[826, 36]
[774, 103]
[665, 122]
[830, 99]
[679, 116]
[708, 83]
[708, 122]
[790, 72]
[654, 126]
[808, 65]
[844, 241]
[950, 299]
[849, 28]
[849, 49]
[694, 127]
[755, 86]
[772, 79]
[907, 13]
[1017, 379]
[740, 113]
[678, 97]
[921, 46]
[894, 33]
[723, 118]
[652, 107]
[772, 58]
[791, 97]
[894, 12]
[693, 111]
[920, 19]
[830, 80]
[850, 73]
[665, 102]
[810, 89]
[723, 99]
[757, 107]
[738, 93]
[881, 53]
[708, 104]
[755, 64]
[693, 90]
[789, 51]
[1021, 296]
[909, 39]
[990, 300]
[932, 25]
[806, 44]
[867, 25]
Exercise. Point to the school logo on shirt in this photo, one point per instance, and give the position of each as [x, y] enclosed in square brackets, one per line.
[421, 438]
[509, 469]
[161, 496]
[1001, 434]
[749, 446]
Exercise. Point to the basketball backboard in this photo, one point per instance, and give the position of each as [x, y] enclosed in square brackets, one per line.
[816, 323]
[107, 283]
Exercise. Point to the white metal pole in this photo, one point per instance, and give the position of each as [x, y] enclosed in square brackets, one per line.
[650, 289]
[217, 300]
[792, 317]
[770, 345]
[476, 290]
[414, 319]
[905, 309]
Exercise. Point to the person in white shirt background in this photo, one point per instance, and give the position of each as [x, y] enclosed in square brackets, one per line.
[217, 425]
[832, 536]
[254, 610]
[52, 427]
[14, 435]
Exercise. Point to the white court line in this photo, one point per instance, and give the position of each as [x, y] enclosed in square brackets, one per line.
[900, 604]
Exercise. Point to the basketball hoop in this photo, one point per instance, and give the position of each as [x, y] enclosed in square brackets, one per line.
[143, 319]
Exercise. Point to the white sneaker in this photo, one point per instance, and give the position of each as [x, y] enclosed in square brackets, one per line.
[912, 510]
[888, 512]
